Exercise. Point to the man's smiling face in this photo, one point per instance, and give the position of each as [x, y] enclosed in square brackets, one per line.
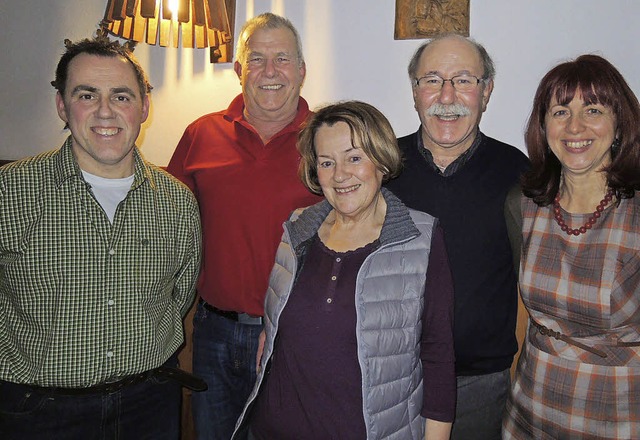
[271, 75]
[103, 108]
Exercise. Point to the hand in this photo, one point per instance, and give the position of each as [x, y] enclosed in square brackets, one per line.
[436, 430]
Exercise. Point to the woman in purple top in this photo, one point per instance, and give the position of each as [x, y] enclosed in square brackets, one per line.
[359, 309]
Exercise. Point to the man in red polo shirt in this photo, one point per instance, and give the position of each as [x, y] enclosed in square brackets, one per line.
[241, 163]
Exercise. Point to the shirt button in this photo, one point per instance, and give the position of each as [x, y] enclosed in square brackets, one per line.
[333, 278]
[112, 252]
[111, 302]
[109, 354]
[329, 300]
[338, 259]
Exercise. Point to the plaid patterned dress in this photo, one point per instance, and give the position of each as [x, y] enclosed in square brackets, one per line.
[586, 288]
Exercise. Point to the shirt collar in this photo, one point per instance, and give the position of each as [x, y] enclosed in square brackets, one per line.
[66, 167]
[235, 113]
[456, 164]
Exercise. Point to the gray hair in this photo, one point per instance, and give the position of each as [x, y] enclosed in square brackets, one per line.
[265, 21]
[487, 62]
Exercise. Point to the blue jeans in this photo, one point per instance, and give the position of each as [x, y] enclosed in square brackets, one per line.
[148, 410]
[224, 355]
[480, 406]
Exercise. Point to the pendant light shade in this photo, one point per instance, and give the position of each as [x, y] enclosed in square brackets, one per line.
[194, 23]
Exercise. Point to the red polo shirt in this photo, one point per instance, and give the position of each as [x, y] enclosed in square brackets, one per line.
[246, 190]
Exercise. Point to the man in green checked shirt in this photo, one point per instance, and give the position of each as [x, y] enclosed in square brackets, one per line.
[99, 256]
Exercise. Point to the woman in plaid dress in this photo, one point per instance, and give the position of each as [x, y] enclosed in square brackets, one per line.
[579, 372]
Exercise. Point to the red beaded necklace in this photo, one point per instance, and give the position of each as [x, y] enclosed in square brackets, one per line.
[590, 222]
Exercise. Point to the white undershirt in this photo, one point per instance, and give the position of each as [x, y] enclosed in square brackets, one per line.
[108, 192]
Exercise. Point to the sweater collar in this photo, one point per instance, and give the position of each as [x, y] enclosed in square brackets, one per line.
[397, 226]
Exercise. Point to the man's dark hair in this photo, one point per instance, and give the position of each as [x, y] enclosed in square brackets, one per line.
[100, 46]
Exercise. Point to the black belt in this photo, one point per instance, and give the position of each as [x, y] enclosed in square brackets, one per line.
[182, 377]
[242, 318]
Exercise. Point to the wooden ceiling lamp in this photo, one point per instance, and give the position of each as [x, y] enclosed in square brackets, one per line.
[196, 23]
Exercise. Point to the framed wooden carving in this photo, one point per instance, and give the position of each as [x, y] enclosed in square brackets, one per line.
[428, 18]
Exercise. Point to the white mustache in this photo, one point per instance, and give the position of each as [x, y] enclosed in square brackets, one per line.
[438, 109]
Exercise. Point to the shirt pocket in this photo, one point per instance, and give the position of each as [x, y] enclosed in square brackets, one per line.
[156, 267]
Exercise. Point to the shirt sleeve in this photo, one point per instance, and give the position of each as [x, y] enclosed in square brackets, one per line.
[436, 349]
[177, 164]
[187, 277]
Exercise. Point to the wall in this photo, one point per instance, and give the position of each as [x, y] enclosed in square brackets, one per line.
[350, 54]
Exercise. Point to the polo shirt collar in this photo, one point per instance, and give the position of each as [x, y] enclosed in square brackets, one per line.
[235, 113]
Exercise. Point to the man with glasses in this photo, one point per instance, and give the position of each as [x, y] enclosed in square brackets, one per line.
[459, 175]
[242, 165]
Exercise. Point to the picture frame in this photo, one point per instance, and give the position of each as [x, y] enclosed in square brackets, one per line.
[419, 19]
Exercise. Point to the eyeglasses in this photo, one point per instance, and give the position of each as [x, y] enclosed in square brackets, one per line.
[462, 83]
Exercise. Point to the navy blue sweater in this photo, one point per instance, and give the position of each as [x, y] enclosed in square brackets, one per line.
[470, 207]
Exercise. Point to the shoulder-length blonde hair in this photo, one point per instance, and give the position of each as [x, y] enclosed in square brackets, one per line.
[370, 131]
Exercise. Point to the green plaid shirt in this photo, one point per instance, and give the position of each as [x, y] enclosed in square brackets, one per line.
[84, 301]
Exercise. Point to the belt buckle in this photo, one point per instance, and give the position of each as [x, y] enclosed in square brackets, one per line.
[113, 387]
[115, 384]
[119, 383]
[244, 318]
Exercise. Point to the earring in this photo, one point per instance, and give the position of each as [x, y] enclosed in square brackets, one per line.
[615, 146]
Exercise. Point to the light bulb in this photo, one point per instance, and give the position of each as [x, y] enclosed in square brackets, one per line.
[173, 7]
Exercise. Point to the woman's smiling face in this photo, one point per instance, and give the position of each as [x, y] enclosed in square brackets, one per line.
[580, 134]
[350, 181]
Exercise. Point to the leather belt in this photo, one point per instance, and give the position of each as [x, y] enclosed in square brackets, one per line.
[239, 317]
[163, 372]
[557, 335]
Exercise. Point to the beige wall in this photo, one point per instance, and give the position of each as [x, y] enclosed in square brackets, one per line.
[350, 54]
